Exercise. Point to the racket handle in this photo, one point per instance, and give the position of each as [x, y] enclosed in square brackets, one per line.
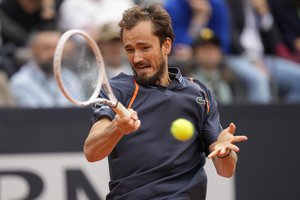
[121, 110]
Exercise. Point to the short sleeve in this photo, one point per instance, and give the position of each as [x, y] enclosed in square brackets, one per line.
[123, 89]
[101, 110]
[211, 125]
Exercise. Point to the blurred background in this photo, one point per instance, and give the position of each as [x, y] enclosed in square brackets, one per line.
[246, 51]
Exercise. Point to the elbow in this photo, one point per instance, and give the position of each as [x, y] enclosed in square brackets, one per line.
[93, 154]
[90, 155]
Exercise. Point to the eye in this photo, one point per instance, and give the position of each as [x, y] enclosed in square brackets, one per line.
[129, 50]
[146, 48]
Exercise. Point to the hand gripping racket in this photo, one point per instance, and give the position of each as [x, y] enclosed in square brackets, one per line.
[80, 72]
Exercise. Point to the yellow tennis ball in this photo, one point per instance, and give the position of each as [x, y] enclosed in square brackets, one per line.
[182, 129]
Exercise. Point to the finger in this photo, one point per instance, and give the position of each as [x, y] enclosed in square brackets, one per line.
[137, 124]
[223, 151]
[239, 138]
[232, 128]
[131, 127]
[117, 118]
[133, 114]
[130, 123]
[122, 120]
[234, 148]
[213, 154]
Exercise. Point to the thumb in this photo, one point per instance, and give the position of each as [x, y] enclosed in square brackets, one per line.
[231, 128]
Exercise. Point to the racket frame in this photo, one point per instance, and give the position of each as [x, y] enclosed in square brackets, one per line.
[102, 78]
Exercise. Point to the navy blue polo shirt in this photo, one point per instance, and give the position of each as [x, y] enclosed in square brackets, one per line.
[150, 163]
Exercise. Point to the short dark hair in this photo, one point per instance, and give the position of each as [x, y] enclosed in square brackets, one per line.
[161, 20]
[41, 29]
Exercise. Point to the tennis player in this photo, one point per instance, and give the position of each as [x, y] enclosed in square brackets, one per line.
[146, 161]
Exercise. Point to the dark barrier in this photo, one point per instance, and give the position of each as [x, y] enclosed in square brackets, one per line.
[268, 166]
[41, 156]
[43, 130]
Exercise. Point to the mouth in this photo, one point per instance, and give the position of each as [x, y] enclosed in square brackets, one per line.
[142, 67]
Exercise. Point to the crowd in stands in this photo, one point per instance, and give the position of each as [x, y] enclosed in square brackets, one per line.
[245, 51]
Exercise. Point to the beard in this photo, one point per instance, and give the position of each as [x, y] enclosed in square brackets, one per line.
[152, 80]
[46, 67]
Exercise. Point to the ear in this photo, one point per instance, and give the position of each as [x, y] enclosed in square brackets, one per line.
[167, 46]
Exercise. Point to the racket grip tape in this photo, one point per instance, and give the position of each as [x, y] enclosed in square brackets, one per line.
[121, 110]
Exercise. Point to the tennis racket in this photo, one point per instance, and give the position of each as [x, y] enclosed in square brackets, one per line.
[80, 72]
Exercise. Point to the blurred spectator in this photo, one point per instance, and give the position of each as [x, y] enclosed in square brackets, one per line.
[190, 16]
[34, 85]
[210, 67]
[148, 2]
[5, 95]
[253, 36]
[18, 19]
[0, 32]
[90, 15]
[287, 17]
[112, 50]
[7, 62]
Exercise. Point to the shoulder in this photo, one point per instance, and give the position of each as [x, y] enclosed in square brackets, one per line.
[25, 74]
[123, 86]
[206, 95]
[122, 81]
[196, 84]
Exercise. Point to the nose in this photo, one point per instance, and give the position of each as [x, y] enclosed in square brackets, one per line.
[137, 57]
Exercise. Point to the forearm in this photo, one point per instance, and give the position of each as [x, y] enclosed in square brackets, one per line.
[226, 166]
[201, 10]
[197, 23]
[102, 139]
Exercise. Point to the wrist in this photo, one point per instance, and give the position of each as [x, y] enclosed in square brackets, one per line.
[116, 129]
[119, 131]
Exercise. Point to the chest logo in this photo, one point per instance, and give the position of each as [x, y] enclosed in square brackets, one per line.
[200, 101]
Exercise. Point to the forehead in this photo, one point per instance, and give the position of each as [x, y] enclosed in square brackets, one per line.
[46, 37]
[141, 33]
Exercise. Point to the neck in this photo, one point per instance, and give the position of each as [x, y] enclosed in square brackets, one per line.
[165, 80]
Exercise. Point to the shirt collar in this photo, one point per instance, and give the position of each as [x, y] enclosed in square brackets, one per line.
[176, 77]
[175, 74]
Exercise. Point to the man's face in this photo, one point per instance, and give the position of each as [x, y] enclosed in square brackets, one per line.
[43, 49]
[208, 56]
[146, 56]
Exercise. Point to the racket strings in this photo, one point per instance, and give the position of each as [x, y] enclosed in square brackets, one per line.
[79, 69]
